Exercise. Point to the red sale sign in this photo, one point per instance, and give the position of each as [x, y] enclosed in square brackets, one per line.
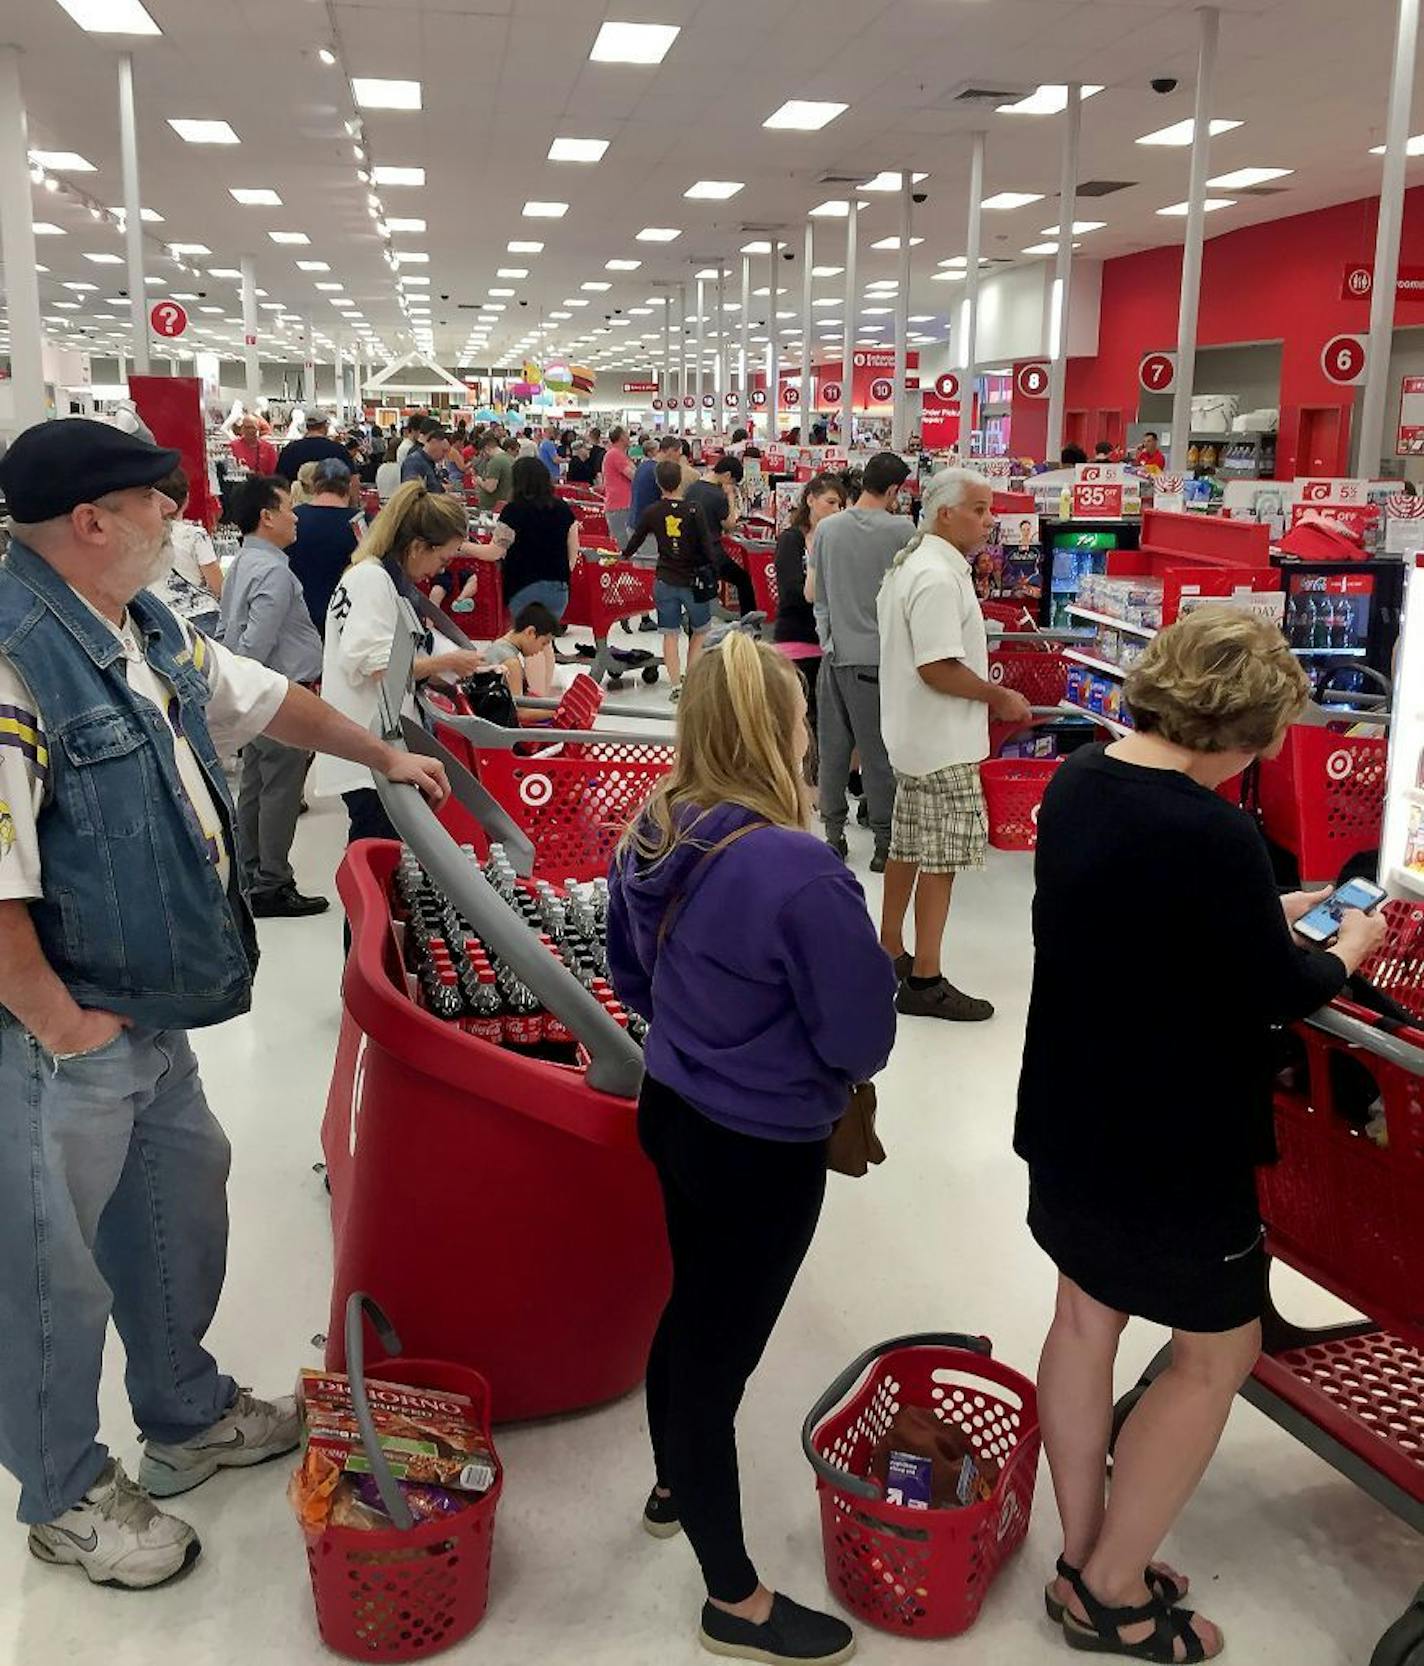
[1093, 503]
[1158, 372]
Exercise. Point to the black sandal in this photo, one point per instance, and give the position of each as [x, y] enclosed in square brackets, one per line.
[1164, 1588]
[1169, 1626]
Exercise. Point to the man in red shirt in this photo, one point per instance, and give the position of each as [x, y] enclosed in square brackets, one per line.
[257, 456]
[1150, 454]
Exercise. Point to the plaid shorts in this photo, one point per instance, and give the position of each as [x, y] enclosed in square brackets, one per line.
[940, 822]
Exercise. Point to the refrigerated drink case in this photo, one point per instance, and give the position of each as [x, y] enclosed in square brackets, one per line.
[1343, 611]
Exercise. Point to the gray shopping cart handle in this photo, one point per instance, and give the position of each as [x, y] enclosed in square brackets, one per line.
[1000, 637]
[609, 708]
[497, 737]
[1366, 1036]
[499, 826]
[841, 1479]
[357, 1303]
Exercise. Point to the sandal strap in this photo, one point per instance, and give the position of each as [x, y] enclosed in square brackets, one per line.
[1108, 1621]
[1159, 1584]
[1181, 1625]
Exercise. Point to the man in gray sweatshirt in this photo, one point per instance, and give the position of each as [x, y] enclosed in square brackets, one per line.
[265, 617]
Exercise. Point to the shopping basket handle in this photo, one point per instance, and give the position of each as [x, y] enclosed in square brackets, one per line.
[842, 1480]
[357, 1304]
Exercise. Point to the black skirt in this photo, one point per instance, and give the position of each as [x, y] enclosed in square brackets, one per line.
[1127, 1266]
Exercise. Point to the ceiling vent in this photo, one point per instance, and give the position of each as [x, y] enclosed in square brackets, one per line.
[975, 93]
[1104, 187]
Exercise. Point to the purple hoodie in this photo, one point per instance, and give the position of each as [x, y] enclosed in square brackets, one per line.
[770, 996]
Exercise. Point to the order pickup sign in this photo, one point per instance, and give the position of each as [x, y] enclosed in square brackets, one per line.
[1097, 502]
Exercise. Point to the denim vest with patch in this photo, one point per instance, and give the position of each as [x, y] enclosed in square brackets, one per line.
[134, 917]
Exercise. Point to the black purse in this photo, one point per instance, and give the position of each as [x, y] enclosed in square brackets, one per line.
[489, 697]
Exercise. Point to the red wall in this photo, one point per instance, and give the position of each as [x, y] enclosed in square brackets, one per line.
[1280, 281]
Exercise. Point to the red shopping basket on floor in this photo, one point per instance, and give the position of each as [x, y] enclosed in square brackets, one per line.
[921, 1573]
[1013, 792]
[406, 1593]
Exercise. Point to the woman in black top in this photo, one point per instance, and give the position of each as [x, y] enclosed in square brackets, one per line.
[1142, 1152]
[795, 615]
[326, 537]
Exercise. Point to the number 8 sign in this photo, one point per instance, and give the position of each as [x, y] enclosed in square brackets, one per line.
[1342, 359]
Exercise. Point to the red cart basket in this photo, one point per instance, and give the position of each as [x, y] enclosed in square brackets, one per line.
[1013, 792]
[407, 1592]
[921, 1573]
[601, 592]
[1322, 799]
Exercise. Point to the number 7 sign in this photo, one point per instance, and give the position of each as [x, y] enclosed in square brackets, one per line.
[1157, 372]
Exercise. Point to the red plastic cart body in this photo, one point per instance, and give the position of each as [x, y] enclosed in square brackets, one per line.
[503, 1209]
[1322, 798]
[759, 560]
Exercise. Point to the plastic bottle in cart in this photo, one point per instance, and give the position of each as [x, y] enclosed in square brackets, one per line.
[523, 1018]
[484, 1009]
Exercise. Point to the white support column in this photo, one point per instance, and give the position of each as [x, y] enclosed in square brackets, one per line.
[744, 398]
[1391, 213]
[698, 382]
[665, 380]
[249, 333]
[724, 367]
[123, 374]
[852, 318]
[309, 394]
[969, 308]
[340, 382]
[1209, 20]
[1062, 291]
[773, 356]
[900, 414]
[808, 258]
[17, 247]
[133, 214]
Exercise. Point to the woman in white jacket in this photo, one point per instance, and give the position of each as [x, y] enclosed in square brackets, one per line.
[414, 537]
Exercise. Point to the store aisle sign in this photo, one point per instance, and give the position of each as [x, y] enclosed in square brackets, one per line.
[1158, 372]
[1358, 282]
[730, 401]
[790, 396]
[657, 404]
[1097, 502]
[168, 319]
[1100, 474]
[1342, 359]
[831, 393]
[640, 387]
[1031, 380]
[1409, 442]
[947, 386]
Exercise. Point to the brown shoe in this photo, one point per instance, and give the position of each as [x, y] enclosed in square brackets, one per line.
[942, 1001]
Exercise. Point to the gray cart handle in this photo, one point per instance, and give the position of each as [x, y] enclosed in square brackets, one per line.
[1370, 1040]
[842, 1480]
[481, 732]
[357, 1303]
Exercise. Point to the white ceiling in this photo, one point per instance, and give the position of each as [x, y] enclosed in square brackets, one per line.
[502, 78]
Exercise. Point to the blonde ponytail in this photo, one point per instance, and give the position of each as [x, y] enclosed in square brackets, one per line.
[414, 511]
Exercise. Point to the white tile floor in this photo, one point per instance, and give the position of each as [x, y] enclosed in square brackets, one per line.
[1294, 1562]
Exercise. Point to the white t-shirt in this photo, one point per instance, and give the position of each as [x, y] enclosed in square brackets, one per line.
[404, 449]
[244, 699]
[927, 611]
[182, 588]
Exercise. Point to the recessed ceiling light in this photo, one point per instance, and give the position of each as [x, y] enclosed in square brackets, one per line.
[44, 228]
[715, 190]
[1244, 178]
[189, 249]
[111, 17]
[1012, 199]
[397, 176]
[512, 272]
[1079, 226]
[621, 265]
[545, 210]
[1180, 209]
[1046, 248]
[328, 286]
[635, 312]
[833, 210]
[63, 161]
[295, 238]
[313, 266]
[828, 301]
[576, 301]
[872, 312]
[658, 234]
[1044, 101]
[501, 292]
[951, 276]
[203, 132]
[889, 182]
[407, 281]
[594, 288]
[80, 288]
[1413, 147]
[412, 257]
[1183, 132]
[517, 247]
[561, 315]
[66, 306]
[232, 272]
[577, 150]
[385, 95]
[394, 224]
[105, 259]
[149, 216]
[210, 310]
[827, 271]
[804, 115]
[894, 242]
[922, 318]
[255, 196]
[882, 284]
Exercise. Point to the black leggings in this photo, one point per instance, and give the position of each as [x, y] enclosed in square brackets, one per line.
[740, 579]
[368, 820]
[741, 1213]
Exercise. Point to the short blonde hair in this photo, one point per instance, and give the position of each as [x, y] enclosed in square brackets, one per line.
[736, 744]
[1219, 680]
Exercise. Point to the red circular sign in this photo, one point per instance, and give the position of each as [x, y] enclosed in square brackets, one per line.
[688, 402]
[730, 401]
[1157, 372]
[882, 389]
[790, 396]
[1343, 360]
[657, 404]
[947, 386]
[709, 401]
[758, 397]
[831, 393]
[168, 319]
[1359, 281]
[1032, 380]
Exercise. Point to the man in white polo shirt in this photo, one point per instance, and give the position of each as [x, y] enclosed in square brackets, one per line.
[935, 703]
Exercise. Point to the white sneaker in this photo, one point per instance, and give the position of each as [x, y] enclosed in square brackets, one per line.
[118, 1536]
[250, 1432]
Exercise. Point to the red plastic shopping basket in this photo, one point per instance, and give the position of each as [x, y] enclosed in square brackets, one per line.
[1013, 792]
[1322, 798]
[921, 1573]
[407, 1593]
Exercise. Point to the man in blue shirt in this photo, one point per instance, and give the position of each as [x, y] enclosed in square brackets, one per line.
[645, 476]
[549, 452]
[426, 461]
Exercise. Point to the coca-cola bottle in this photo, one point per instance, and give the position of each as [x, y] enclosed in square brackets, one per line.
[523, 1019]
[484, 1009]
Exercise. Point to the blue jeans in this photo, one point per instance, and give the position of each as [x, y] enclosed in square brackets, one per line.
[554, 596]
[113, 1199]
[676, 601]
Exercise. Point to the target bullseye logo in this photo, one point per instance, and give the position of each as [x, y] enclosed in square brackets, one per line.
[536, 791]
[996, 673]
[1340, 766]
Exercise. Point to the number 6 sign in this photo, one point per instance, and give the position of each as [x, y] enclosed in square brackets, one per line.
[1343, 360]
[1158, 372]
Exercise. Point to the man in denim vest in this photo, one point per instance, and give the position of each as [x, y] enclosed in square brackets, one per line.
[122, 925]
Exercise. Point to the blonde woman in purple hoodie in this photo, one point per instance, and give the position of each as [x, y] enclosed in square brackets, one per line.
[758, 1034]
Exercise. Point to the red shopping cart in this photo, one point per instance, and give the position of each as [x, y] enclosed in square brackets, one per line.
[407, 1592]
[601, 592]
[1013, 792]
[921, 1573]
[1322, 798]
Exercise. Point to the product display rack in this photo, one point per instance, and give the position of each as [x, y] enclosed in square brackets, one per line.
[1239, 456]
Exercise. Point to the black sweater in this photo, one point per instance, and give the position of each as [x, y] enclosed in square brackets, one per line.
[1162, 959]
[795, 616]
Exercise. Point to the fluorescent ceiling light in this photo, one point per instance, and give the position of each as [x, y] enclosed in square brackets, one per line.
[759, 248]
[1413, 147]
[295, 238]
[203, 132]
[894, 242]
[255, 197]
[577, 150]
[827, 271]
[576, 301]
[105, 259]
[67, 306]
[267, 306]
[512, 272]
[210, 310]
[1012, 199]
[633, 312]
[805, 115]
[63, 161]
[658, 234]
[621, 265]
[385, 95]
[501, 292]
[520, 248]
[715, 190]
[408, 282]
[176, 249]
[545, 210]
[833, 210]
[1044, 101]
[951, 276]
[889, 182]
[1180, 209]
[1046, 248]
[875, 312]
[828, 301]
[80, 287]
[592, 288]
[232, 272]
[397, 176]
[111, 17]
[561, 315]
[922, 318]
[1244, 178]
[393, 224]
[149, 216]
[326, 287]
[412, 257]
[44, 228]
[313, 266]
[1182, 132]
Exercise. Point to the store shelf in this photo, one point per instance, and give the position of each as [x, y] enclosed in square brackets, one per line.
[1332, 653]
[1410, 880]
[1080, 658]
[1107, 619]
[1118, 729]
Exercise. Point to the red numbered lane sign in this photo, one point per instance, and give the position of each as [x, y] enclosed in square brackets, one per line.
[1343, 360]
[790, 396]
[657, 404]
[730, 401]
[831, 393]
[1097, 503]
[1158, 372]
[947, 386]
[882, 390]
[168, 319]
[758, 397]
[709, 401]
[1032, 380]
[689, 402]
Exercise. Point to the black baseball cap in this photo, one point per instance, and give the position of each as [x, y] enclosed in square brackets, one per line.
[54, 466]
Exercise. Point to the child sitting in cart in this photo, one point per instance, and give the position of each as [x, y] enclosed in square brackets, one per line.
[525, 652]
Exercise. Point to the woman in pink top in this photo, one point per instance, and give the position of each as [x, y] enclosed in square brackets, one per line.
[618, 469]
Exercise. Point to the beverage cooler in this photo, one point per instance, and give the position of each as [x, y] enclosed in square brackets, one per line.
[1071, 550]
[1341, 611]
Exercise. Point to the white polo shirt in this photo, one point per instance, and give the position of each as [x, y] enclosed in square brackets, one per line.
[928, 611]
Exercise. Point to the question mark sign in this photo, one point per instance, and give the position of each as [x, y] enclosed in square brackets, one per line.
[169, 318]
